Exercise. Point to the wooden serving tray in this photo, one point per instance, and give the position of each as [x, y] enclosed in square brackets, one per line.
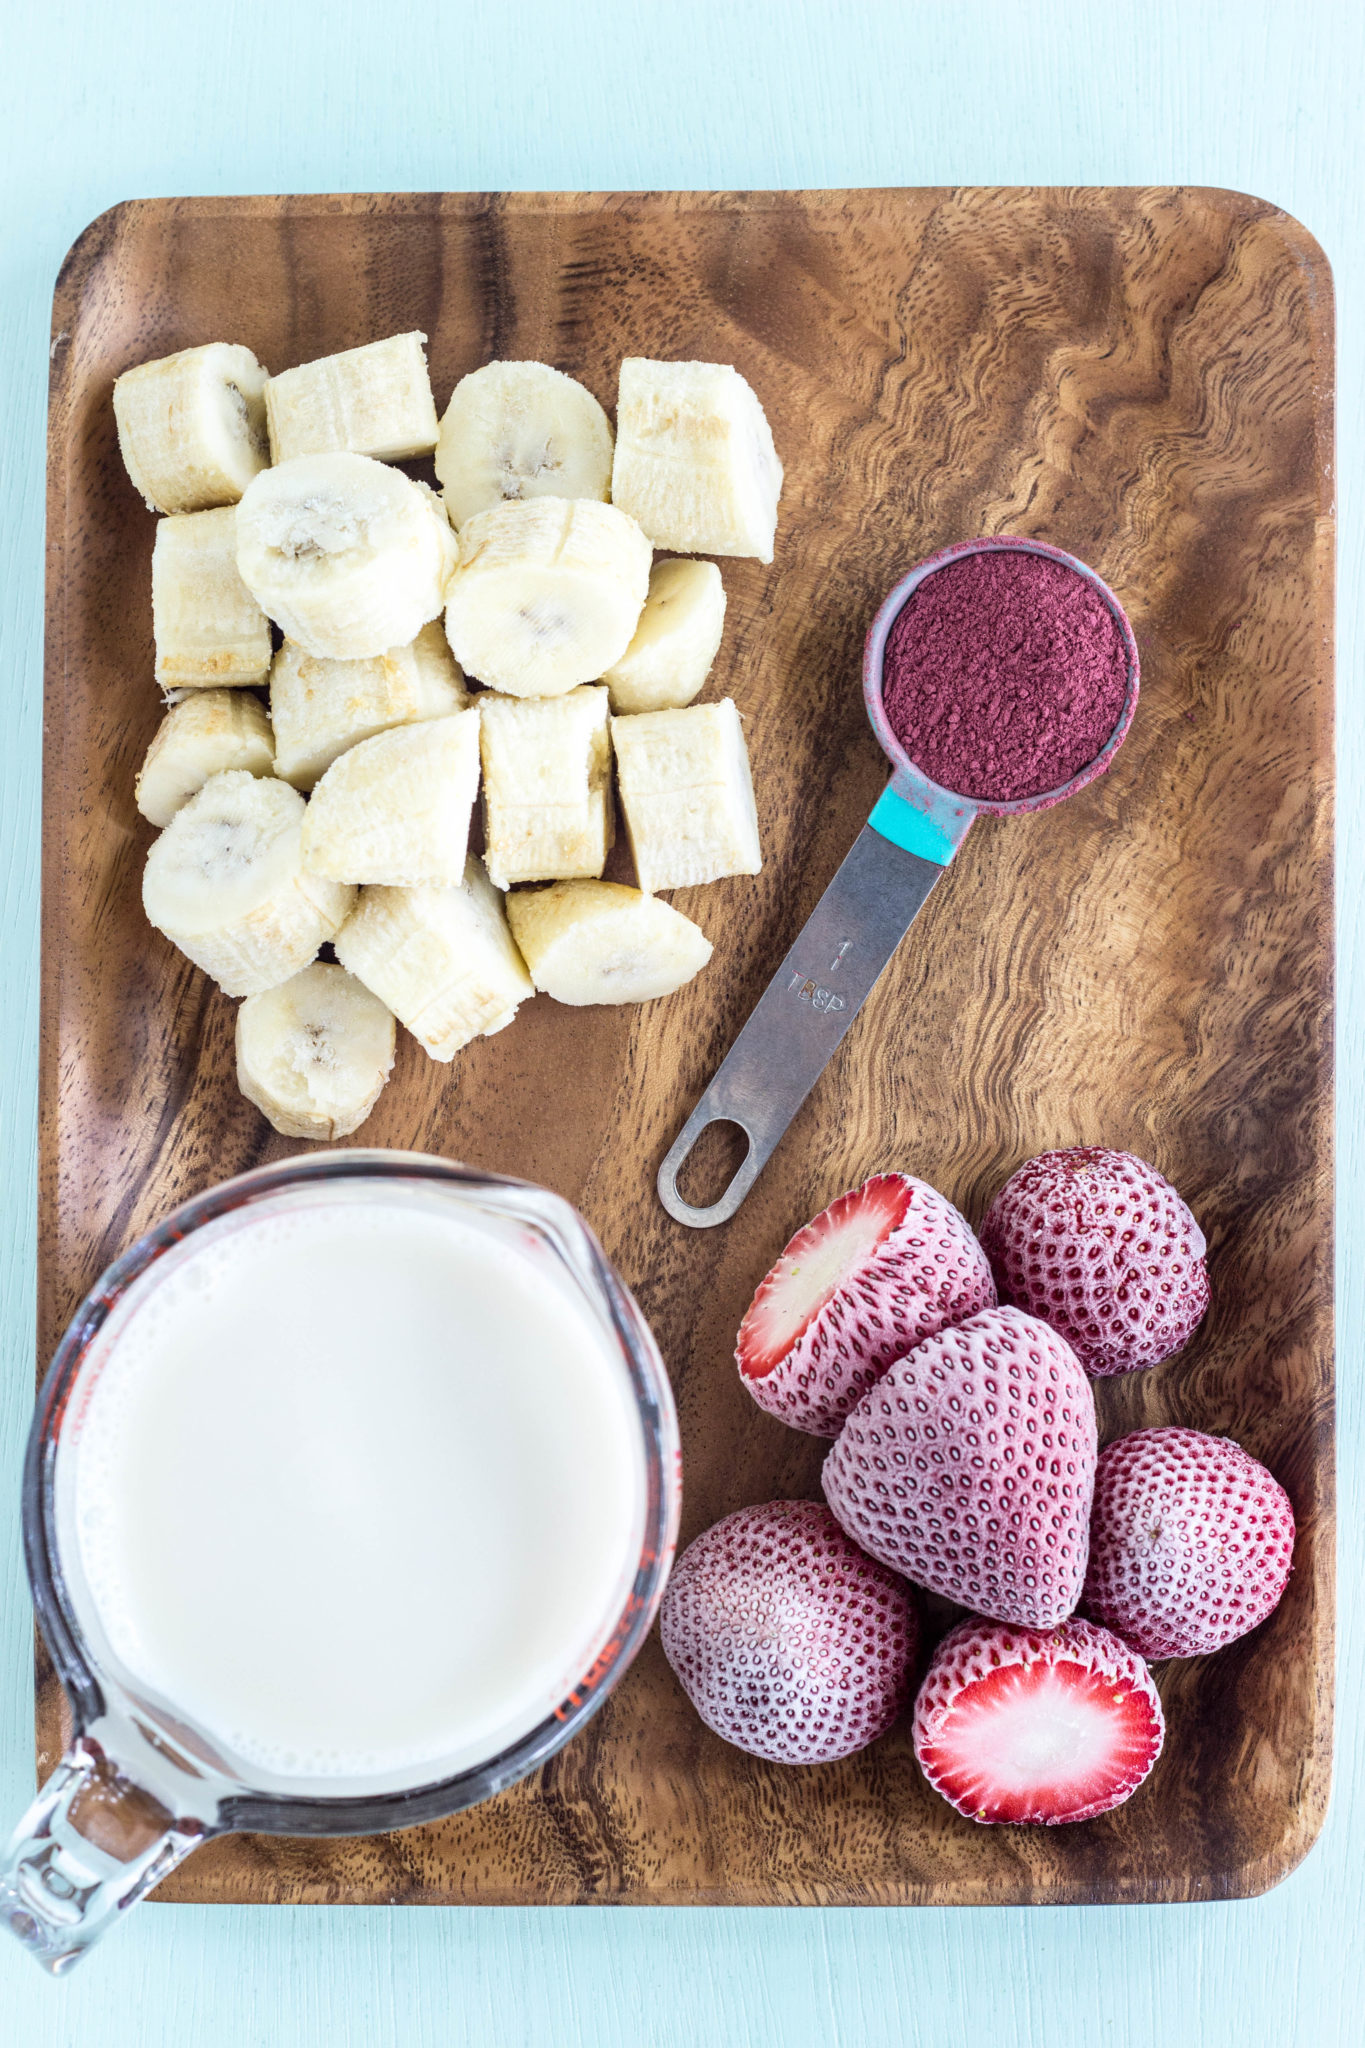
[1143, 377]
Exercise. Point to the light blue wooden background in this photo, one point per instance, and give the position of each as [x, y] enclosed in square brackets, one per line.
[100, 102]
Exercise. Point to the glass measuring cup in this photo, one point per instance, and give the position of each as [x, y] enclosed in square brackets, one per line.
[835, 961]
[142, 1785]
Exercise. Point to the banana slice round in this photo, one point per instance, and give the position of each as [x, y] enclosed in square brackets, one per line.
[547, 594]
[204, 734]
[547, 805]
[676, 641]
[598, 942]
[191, 427]
[687, 794]
[314, 1053]
[374, 400]
[208, 629]
[442, 959]
[346, 555]
[396, 808]
[226, 884]
[521, 430]
[319, 708]
[695, 461]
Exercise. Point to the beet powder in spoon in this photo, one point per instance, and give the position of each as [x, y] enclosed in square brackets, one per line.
[1004, 675]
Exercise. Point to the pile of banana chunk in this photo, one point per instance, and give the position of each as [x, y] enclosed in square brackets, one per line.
[342, 814]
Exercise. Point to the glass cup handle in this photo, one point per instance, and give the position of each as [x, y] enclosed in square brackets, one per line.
[92, 1843]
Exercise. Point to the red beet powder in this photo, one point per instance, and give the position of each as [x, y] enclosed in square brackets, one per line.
[1004, 675]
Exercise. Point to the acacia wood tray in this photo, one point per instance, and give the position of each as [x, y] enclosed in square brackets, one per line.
[1144, 378]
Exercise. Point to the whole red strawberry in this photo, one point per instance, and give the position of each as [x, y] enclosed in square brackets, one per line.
[786, 1639]
[970, 1465]
[1191, 1542]
[1036, 1724]
[1100, 1246]
[883, 1267]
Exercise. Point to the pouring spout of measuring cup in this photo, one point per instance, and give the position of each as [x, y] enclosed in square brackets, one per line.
[915, 828]
[829, 971]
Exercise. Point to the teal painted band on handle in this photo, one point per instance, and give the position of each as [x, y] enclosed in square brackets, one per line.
[905, 825]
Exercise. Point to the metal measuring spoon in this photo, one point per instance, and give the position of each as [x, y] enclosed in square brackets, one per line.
[914, 830]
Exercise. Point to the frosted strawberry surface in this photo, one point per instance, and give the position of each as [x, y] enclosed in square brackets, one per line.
[970, 1466]
[1098, 1244]
[1191, 1543]
[789, 1642]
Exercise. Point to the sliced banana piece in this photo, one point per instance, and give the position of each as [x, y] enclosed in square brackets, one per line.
[521, 430]
[346, 555]
[695, 462]
[596, 942]
[548, 811]
[396, 808]
[319, 708]
[204, 734]
[442, 959]
[547, 594]
[675, 642]
[208, 628]
[225, 883]
[191, 427]
[314, 1053]
[374, 400]
[687, 795]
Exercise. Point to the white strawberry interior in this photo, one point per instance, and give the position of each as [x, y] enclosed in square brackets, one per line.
[817, 1263]
[1041, 1735]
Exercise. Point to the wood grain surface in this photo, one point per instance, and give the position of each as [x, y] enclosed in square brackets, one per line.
[1142, 377]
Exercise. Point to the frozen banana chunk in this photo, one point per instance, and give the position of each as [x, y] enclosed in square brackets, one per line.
[687, 795]
[204, 734]
[319, 708]
[546, 786]
[521, 430]
[596, 942]
[442, 959]
[348, 556]
[191, 427]
[695, 462]
[547, 594]
[396, 808]
[374, 400]
[675, 642]
[225, 882]
[314, 1053]
[209, 629]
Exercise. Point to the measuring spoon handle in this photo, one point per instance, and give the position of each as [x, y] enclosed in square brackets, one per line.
[826, 977]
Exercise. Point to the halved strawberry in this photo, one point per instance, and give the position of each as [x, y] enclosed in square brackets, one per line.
[1043, 1725]
[881, 1269]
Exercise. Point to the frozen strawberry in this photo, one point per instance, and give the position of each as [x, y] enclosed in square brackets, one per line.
[970, 1466]
[786, 1639]
[1191, 1542]
[882, 1268]
[1101, 1247]
[1030, 1724]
